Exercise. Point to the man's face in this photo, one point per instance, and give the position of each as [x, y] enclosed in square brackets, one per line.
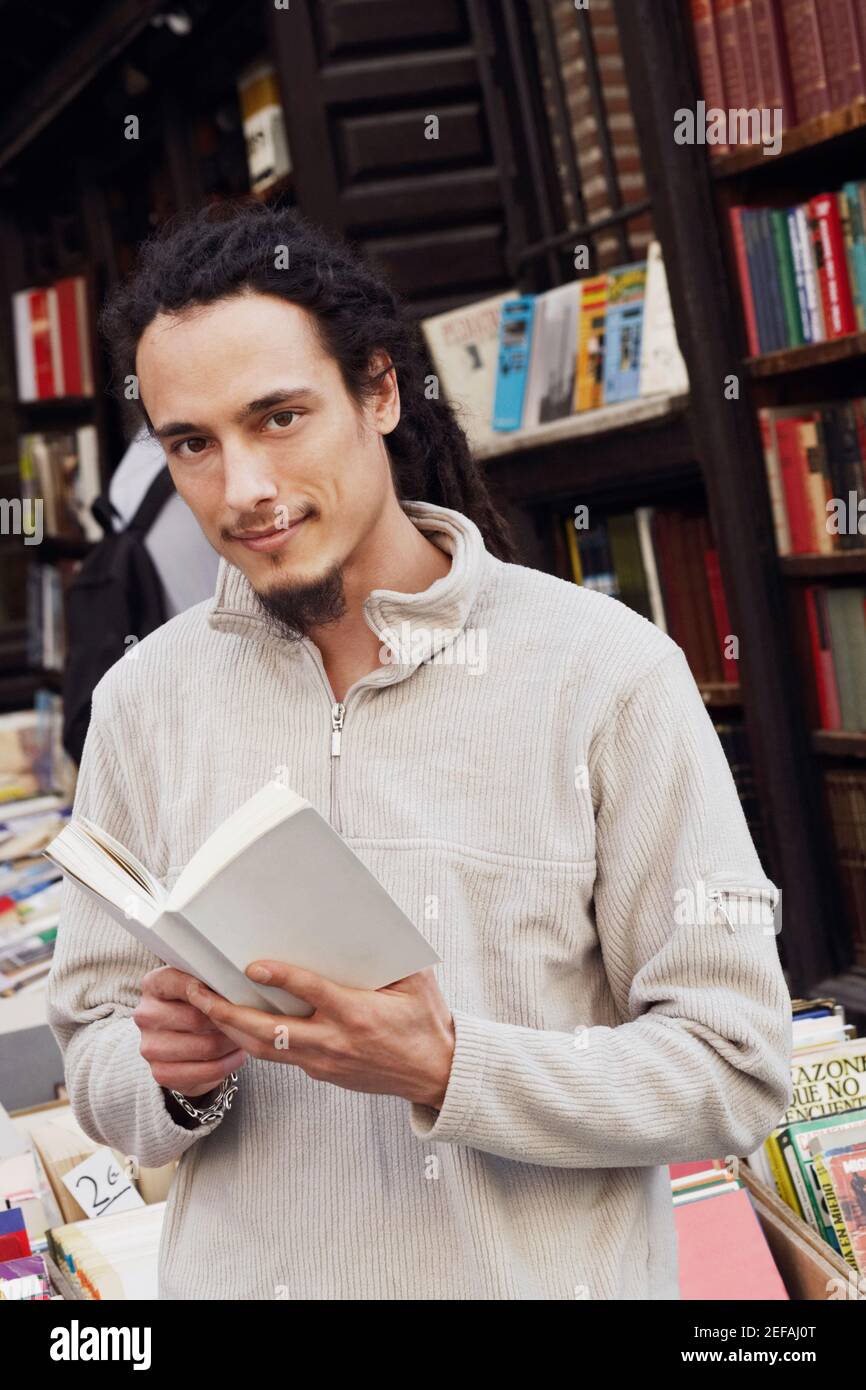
[261, 436]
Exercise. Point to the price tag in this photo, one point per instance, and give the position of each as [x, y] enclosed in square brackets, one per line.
[100, 1185]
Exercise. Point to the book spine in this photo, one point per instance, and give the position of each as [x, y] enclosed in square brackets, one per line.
[742, 260]
[857, 257]
[799, 274]
[40, 328]
[57, 371]
[748, 46]
[816, 651]
[709, 57]
[792, 466]
[774, 483]
[848, 82]
[829, 247]
[790, 308]
[25, 364]
[773, 66]
[806, 56]
[730, 53]
[810, 272]
[771, 278]
[69, 336]
[721, 616]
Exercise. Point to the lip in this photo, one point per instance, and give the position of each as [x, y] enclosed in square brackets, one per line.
[270, 540]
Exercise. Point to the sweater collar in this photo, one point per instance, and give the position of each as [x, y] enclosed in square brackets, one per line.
[414, 626]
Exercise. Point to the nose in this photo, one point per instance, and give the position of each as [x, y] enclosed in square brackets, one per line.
[250, 484]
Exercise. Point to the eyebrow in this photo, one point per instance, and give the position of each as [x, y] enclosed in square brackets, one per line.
[277, 397]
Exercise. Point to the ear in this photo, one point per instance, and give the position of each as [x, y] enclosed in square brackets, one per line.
[384, 405]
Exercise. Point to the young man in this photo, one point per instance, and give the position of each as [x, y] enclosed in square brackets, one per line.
[526, 765]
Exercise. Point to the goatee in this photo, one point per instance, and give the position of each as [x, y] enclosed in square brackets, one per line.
[293, 610]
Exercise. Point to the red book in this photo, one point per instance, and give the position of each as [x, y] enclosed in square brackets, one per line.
[742, 259]
[40, 328]
[829, 709]
[733, 74]
[806, 58]
[709, 60]
[842, 53]
[723, 1252]
[776, 90]
[794, 466]
[828, 241]
[721, 615]
[748, 45]
[66, 307]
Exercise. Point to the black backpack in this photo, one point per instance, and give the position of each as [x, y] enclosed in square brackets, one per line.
[116, 593]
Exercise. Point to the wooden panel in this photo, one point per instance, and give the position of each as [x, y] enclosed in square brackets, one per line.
[358, 80]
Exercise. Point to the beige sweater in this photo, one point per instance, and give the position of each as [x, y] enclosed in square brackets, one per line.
[548, 801]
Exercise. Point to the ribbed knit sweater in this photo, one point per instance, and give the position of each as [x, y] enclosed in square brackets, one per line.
[534, 777]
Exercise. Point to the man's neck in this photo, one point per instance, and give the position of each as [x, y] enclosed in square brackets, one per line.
[396, 556]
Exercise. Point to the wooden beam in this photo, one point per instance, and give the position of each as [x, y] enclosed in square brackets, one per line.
[113, 31]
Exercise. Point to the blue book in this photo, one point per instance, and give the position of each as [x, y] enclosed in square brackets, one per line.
[625, 304]
[512, 365]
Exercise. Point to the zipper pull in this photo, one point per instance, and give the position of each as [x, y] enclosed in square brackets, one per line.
[717, 897]
[337, 713]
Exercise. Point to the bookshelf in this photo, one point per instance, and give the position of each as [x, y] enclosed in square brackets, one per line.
[692, 189]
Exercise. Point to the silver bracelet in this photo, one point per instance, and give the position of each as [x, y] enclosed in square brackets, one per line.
[219, 1105]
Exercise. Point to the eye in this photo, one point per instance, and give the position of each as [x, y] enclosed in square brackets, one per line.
[283, 418]
[197, 444]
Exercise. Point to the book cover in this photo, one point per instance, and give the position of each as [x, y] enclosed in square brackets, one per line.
[512, 369]
[553, 362]
[589, 384]
[463, 345]
[662, 366]
[624, 327]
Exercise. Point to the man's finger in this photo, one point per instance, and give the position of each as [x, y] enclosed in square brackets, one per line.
[304, 984]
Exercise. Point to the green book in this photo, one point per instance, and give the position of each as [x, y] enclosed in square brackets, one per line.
[787, 278]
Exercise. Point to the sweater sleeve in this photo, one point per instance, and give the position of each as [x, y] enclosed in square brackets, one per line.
[699, 1064]
[95, 983]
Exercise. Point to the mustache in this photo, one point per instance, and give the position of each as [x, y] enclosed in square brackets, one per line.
[283, 517]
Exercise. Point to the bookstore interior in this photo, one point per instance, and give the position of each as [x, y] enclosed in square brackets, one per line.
[655, 333]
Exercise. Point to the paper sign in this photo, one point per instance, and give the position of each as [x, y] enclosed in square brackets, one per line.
[100, 1185]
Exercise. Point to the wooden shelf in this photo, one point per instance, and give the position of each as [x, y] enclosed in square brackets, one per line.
[719, 696]
[839, 745]
[796, 359]
[800, 138]
[589, 424]
[57, 404]
[823, 566]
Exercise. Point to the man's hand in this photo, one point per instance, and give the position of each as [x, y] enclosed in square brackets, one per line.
[394, 1041]
[186, 1051]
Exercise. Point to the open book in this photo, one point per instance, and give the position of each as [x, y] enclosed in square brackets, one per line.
[273, 882]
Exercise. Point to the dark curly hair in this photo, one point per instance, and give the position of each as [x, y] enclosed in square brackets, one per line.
[226, 248]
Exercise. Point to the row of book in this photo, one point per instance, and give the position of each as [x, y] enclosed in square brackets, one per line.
[802, 57]
[75, 1215]
[662, 562]
[53, 353]
[60, 468]
[815, 457]
[816, 1156]
[845, 794]
[515, 362]
[832, 638]
[802, 269]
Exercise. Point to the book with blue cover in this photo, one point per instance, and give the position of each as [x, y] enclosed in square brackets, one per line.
[622, 345]
[512, 368]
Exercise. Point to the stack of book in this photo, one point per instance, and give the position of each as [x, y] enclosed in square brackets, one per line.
[723, 1252]
[60, 470]
[518, 362]
[816, 1156]
[831, 636]
[802, 57]
[815, 456]
[30, 893]
[802, 269]
[846, 805]
[52, 341]
[664, 564]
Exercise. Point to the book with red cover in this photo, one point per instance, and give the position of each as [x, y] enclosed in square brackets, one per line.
[67, 309]
[40, 329]
[730, 669]
[742, 260]
[806, 58]
[730, 53]
[709, 60]
[821, 653]
[828, 242]
[794, 464]
[748, 46]
[723, 1252]
[844, 59]
[775, 71]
